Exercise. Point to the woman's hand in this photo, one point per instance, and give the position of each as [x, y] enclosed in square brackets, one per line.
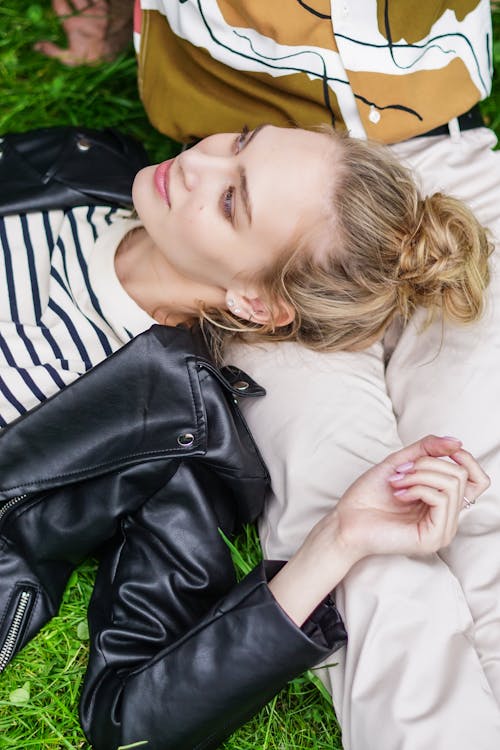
[408, 504]
[96, 30]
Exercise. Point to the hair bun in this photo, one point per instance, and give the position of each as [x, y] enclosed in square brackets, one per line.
[444, 261]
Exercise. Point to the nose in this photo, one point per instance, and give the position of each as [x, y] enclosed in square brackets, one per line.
[196, 165]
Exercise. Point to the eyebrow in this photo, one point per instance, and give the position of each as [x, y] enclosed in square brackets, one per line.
[245, 195]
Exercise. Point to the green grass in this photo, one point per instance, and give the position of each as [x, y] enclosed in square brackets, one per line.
[39, 691]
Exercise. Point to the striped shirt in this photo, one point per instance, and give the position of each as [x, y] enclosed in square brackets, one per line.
[62, 307]
[382, 70]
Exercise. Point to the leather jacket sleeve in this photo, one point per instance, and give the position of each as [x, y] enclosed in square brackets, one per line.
[169, 666]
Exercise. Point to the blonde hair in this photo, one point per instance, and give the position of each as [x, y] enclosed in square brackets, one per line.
[390, 251]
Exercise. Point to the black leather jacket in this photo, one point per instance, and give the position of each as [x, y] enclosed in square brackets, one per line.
[146, 457]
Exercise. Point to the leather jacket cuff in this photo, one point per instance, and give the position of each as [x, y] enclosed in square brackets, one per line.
[324, 626]
[215, 677]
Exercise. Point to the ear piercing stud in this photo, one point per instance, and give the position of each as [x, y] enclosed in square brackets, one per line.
[230, 303]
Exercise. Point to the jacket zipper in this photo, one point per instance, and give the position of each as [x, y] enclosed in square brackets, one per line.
[10, 641]
[13, 633]
[10, 504]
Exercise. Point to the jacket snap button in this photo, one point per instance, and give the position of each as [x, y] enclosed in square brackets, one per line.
[186, 440]
[241, 385]
[83, 144]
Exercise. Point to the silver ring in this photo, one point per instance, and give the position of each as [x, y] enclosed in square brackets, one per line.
[468, 503]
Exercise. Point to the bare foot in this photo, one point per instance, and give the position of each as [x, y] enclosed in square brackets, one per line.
[93, 33]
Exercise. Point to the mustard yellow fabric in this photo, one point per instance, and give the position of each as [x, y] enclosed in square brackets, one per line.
[383, 69]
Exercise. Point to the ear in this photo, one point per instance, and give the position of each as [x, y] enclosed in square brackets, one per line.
[255, 310]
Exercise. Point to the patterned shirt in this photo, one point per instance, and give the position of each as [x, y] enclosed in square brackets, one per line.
[62, 307]
[383, 69]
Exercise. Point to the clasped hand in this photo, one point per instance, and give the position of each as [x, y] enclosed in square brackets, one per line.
[408, 504]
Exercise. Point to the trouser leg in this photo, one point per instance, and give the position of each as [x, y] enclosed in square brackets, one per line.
[447, 381]
[431, 674]
[411, 677]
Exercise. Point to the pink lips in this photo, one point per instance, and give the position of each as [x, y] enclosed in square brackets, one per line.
[161, 180]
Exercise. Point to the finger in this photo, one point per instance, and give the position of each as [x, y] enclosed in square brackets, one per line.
[434, 531]
[450, 484]
[478, 481]
[454, 470]
[446, 467]
[431, 445]
[82, 4]
[474, 479]
[441, 465]
[99, 6]
[52, 50]
[441, 480]
[429, 463]
[62, 8]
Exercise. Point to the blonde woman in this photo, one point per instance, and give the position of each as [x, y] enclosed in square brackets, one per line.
[261, 236]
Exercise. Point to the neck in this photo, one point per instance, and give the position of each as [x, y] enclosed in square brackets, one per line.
[154, 284]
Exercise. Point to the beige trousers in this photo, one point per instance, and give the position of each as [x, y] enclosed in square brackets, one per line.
[421, 670]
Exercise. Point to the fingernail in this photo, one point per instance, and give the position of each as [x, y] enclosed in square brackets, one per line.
[450, 437]
[395, 477]
[399, 492]
[405, 467]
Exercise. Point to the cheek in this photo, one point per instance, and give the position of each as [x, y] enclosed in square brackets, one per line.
[191, 228]
[196, 222]
[143, 187]
[196, 211]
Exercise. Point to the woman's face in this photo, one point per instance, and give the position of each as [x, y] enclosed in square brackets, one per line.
[226, 208]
